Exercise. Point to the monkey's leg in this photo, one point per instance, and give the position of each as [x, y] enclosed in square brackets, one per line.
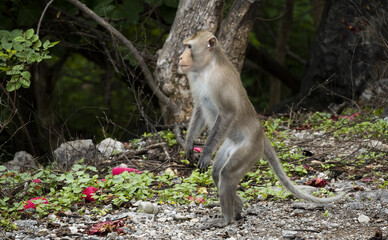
[222, 155]
[227, 172]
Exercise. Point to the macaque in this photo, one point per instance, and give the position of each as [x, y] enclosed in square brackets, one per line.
[221, 104]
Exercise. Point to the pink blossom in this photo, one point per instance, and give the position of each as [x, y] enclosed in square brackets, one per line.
[119, 170]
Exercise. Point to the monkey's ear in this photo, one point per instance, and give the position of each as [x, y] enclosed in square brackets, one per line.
[211, 43]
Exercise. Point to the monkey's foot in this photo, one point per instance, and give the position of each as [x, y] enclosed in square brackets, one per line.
[217, 223]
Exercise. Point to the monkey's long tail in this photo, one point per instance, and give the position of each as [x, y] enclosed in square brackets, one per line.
[277, 167]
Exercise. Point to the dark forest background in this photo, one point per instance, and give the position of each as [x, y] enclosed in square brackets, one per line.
[304, 55]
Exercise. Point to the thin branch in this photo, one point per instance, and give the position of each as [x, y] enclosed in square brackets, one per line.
[41, 16]
[147, 73]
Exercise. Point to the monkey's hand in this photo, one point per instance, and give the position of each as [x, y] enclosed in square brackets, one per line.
[189, 154]
[204, 163]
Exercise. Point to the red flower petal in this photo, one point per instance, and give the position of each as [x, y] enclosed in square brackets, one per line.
[89, 192]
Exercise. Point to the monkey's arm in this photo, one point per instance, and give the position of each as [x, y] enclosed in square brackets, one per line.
[218, 133]
[197, 123]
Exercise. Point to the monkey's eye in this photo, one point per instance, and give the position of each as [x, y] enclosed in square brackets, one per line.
[189, 46]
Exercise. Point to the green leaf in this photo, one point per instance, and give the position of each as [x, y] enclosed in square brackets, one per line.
[15, 78]
[38, 44]
[117, 179]
[13, 72]
[13, 86]
[45, 44]
[38, 58]
[53, 44]
[25, 82]
[18, 67]
[6, 44]
[69, 179]
[29, 33]
[34, 38]
[19, 39]
[28, 43]
[18, 47]
[2, 168]
[77, 167]
[26, 75]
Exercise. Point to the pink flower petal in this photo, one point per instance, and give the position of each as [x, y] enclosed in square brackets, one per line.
[31, 204]
[89, 192]
[197, 149]
[120, 170]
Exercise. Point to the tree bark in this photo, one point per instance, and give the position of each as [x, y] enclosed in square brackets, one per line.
[235, 44]
[193, 16]
[172, 89]
[281, 51]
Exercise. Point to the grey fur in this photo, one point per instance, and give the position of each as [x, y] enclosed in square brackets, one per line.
[221, 104]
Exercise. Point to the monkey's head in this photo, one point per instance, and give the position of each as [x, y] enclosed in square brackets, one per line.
[198, 53]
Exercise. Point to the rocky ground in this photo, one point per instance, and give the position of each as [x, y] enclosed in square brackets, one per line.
[361, 215]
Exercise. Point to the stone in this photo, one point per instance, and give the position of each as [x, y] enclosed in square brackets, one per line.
[363, 218]
[43, 232]
[22, 161]
[73, 230]
[289, 234]
[70, 152]
[148, 207]
[52, 217]
[26, 223]
[109, 147]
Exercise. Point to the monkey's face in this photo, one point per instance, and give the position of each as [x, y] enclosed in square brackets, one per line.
[185, 61]
[198, 52]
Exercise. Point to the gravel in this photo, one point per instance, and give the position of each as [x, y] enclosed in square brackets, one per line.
[358, 216]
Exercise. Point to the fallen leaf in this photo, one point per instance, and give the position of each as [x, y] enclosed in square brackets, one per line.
[103, 228]
[367, 180]
[202, 190]
[317, 182]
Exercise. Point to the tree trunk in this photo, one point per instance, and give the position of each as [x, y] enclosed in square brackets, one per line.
[193, 16]
[281, 51]
[348, 53]
[239, 21]
[45, 78]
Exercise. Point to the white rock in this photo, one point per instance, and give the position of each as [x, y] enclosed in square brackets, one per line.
[73, 230]
[108, 147]
[70, 152]
[52, 217]
[148, 207]
[363, 218]
[162, 219]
